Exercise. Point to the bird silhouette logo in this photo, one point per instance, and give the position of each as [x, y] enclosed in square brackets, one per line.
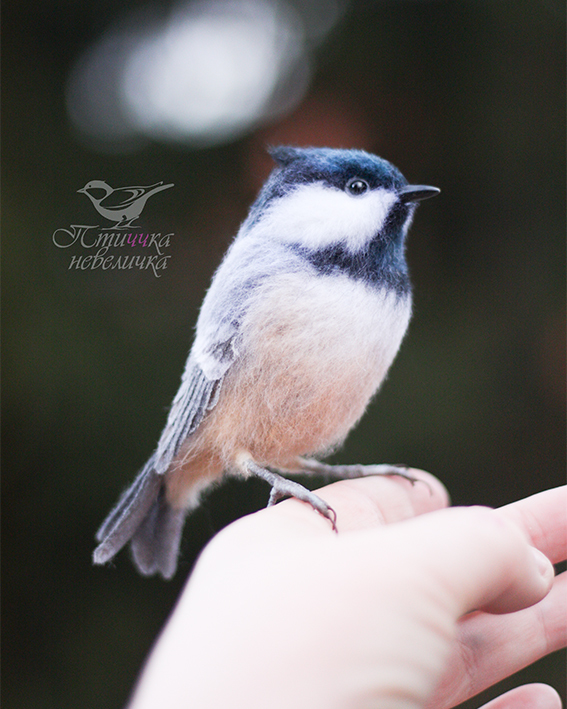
[121, 205]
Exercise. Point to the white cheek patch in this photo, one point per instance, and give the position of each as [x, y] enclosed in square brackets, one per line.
[317, 216]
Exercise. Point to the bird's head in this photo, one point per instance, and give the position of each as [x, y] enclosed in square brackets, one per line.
[321, 198]
[94, 186]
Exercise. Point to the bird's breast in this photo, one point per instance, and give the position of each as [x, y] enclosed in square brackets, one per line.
[311, 352]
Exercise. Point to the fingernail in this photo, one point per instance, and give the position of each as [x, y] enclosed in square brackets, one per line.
[544, 566]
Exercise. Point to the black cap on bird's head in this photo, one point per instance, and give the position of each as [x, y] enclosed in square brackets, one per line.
[335, 167]
[353, 170]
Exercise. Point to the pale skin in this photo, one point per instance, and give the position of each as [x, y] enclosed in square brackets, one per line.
[281, 612]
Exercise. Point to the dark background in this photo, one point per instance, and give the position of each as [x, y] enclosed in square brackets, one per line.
[468, 96]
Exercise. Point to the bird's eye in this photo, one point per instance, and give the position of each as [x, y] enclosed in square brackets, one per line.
[356, 186]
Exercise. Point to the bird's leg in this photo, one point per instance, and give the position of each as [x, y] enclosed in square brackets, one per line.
[309, 465]
[282, 487]
[127, 223]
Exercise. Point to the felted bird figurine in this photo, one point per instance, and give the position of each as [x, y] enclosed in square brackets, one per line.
[297, 331]
[121, 205]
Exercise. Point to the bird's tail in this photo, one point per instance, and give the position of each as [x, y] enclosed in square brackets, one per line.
[144, 518]
[158, 187]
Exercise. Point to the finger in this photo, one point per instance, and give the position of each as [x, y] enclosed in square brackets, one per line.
[369, 502]
[477, 558]
[490, 648]
[542, 517]
[530, 696]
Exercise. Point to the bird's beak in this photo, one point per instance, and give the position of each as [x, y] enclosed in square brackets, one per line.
[415, 193]
[82, 190]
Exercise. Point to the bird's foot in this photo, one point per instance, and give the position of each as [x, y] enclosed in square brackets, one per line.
[282, 487]
[345, 472]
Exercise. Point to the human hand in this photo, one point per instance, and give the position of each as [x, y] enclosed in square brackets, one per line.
[280, 612]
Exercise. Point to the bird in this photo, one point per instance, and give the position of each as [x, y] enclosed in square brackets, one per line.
[123, 204]
[296, 332]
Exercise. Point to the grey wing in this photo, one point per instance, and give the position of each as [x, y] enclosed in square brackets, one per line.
[197, 395]
[141, 514]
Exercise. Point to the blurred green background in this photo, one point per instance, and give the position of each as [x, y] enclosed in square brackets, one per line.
[468, 96]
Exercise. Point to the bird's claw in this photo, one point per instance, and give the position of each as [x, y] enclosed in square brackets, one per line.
[282, 487]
